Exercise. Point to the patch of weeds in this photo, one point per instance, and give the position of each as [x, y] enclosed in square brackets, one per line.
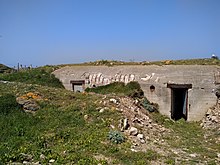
[212, 162]
[8, 104]
[170, 161]
[136, 158]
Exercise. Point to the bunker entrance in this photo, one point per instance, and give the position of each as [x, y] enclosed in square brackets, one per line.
[78, 86]
[179, 100]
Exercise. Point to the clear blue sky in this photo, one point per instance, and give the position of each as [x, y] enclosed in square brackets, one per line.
[41, 32]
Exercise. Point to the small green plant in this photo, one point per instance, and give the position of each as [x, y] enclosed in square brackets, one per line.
[116, 137]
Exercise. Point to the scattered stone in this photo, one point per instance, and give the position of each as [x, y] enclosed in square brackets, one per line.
[5, 82]
[214, 119]
[142, 141]
[133, 150]
[26, 162]
[86, 117]
[51, 160]
[42, 157]
[218, 155]
[147, 137]
[140, 136]
[211, 119]
[102, 110]
[123, 125]
[112, 126]
[112, 100]
[26, 157]
[155, 141]
[193, 155]
[133, 131]
[208, 112]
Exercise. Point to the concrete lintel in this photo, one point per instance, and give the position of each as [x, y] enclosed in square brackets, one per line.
[77, 82]
[186, 86]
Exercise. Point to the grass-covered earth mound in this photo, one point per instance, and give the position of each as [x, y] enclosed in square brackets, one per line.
[5, 69]
[111, 63]
[131, 89]
[70, 129]
[41, 76]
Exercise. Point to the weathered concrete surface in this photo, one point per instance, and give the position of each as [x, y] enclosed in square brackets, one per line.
[200, 97]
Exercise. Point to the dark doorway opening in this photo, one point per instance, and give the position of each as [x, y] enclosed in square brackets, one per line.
[179, 100]
[78, 85]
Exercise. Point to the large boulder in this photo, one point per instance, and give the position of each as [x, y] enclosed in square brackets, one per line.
[28, 101]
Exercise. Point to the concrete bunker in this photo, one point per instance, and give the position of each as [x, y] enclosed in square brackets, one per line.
[179, 100]
[153, 81]
[78, 85]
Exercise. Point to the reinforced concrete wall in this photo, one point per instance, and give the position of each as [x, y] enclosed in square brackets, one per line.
[200, 97]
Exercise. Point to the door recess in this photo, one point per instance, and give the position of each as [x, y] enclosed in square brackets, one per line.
[179, 100]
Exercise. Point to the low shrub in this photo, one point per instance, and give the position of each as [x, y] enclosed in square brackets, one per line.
[116, 137]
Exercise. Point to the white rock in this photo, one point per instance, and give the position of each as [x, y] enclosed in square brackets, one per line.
[133, 131]
[140, 136]
[218, 155]
[86, 117]
[142, 141]
[192, 155]
[214, 118]
[112, 126]
[208, 112]
[102, 110]
[114, 101]
[133, 150]
[125, 123]
[51, 161]
[26, 162]
[42, 156]
[147, 138]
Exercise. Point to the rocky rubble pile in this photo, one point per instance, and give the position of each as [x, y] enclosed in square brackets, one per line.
[136, 123]
[212, 118]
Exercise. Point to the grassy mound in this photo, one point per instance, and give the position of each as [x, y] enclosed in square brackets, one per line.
[68, 128]
[204, 61]
[5, 69]
[41, 76]
[132, 89]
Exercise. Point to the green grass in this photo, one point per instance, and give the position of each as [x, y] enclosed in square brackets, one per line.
[205, 61]
[132, 89]
[190, 137]
[60, 130]
[41, 76]
[5, 69]
[111, 63]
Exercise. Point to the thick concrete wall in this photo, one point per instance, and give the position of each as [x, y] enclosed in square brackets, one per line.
[200, 97]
